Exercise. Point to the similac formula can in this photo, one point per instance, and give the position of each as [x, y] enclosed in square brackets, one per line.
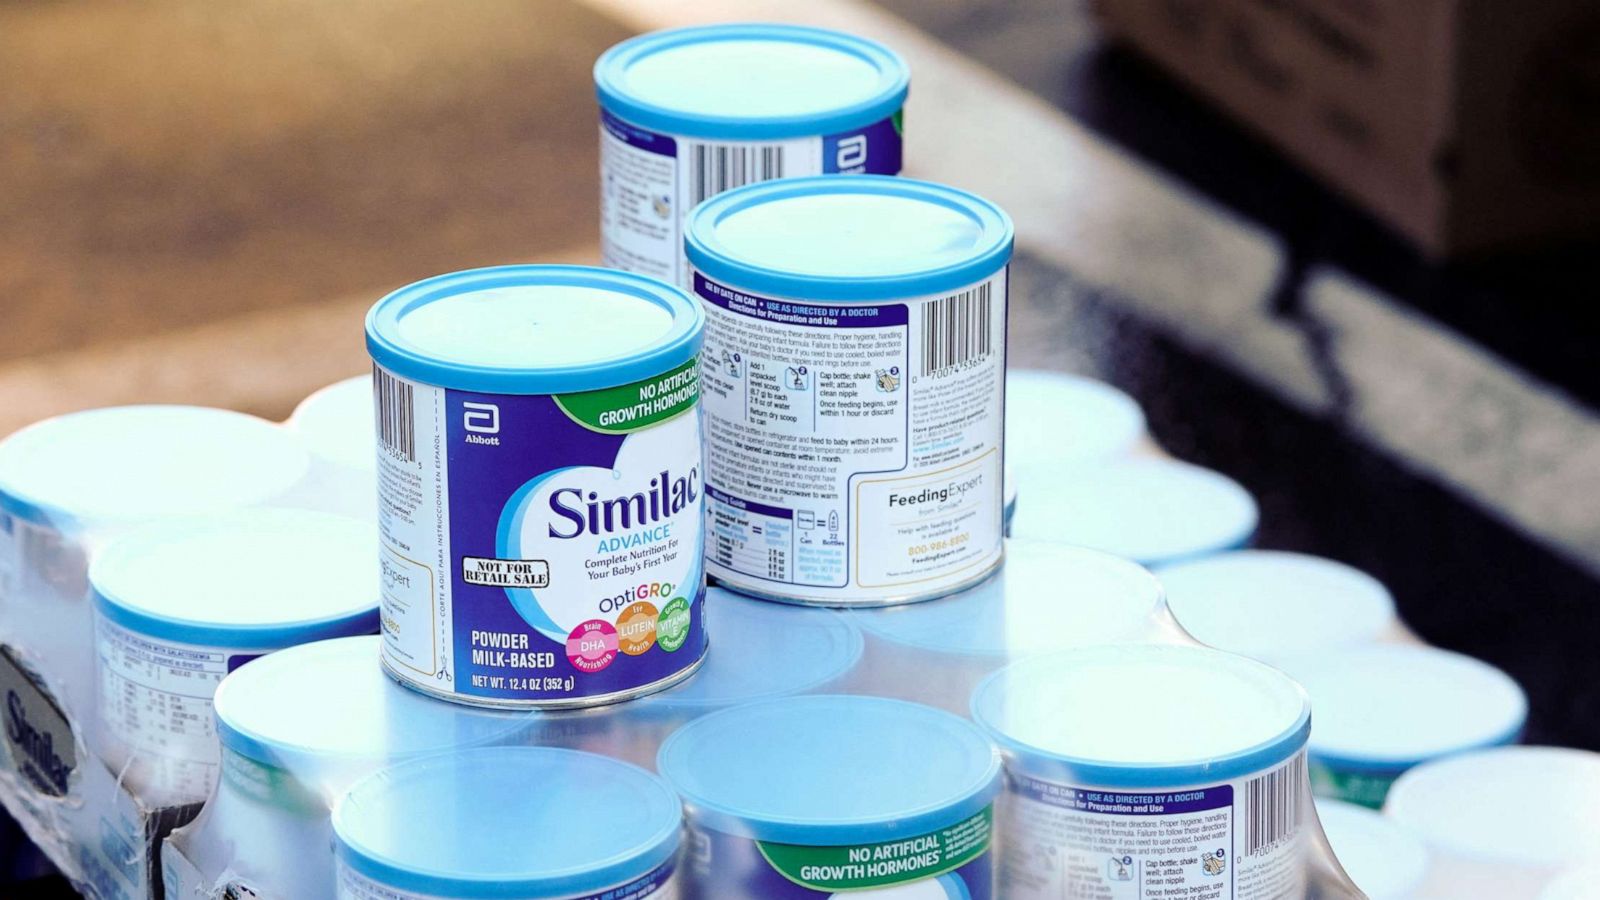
[1153, 511]
[1271, 605]
[1384, 709]
[337, 425]
[854, 387]
[508, 823]
[1148, 770]
[71, 483]
[1385, 861]
[298, 727]
[835, 797]
[1047, 597]
[690, 113]
[1501, 822]
[540, 484]
[764, 650]
[182, 603]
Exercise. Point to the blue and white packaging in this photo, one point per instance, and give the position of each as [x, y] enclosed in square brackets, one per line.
[540, 485]
[1057, 422]
[764, 651]
[834, 796]
[854, 380]
[182, 603]
[298, 727]
[1501, 822]
[1048, 597]
[508, 823]
[689, 113]
[339, 428]
[1140, 765]
[71, 483]
[1272, 606]
[1153, 511]
[1384, 709]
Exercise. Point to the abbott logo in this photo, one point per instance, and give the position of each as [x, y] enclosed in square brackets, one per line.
[852, 152]
[481, 418]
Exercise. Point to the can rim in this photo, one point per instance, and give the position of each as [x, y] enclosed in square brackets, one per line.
[614, 868]
[112, 602]
[975, 791]
[709, 256]
[1039, 762]
[679, 345]
[610, 79]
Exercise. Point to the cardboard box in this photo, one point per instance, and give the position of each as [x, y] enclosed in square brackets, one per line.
[1464, 125]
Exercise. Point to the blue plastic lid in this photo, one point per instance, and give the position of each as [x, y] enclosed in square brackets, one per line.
[1152, 511]
[331, 700]
[764, 650]
[255, 579]
[508, 822]
[828, 770]
[534, 329]
[866, 237]
[1055, 419]
[1385, 861]
[1142, 716]
[1270, 604]
[127, 463]
[337, 423]
[1047, 597]
[1388, 707]
[751, 82]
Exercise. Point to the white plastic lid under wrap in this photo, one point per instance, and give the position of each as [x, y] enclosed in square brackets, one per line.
[1384, 859]
[183, 602]
[1385, 708]
[1502, 822]
[298, 727]
[337, 425]
[1047, 597]
[1268, 604]
[70, 483]
[1153, 511]
[1578, 883]
[1055, 420]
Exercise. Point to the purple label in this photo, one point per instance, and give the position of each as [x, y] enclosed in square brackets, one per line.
[767, 309]
[1123, 803]
[635, 136]
[873, 150]
[575, 572]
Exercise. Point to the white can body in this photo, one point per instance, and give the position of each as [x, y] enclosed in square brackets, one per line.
[854, 449]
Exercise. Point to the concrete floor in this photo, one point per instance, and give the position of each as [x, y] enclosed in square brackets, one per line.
[267, 168]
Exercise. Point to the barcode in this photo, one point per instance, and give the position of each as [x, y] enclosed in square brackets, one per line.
[714, 168]
[1272, 806]
[956, 330]
[397, 427]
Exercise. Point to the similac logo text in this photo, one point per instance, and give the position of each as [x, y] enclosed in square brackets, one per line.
[578, 512]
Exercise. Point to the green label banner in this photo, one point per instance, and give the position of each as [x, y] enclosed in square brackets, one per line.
[888, 863]
[635, 406]
[1364, 788]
